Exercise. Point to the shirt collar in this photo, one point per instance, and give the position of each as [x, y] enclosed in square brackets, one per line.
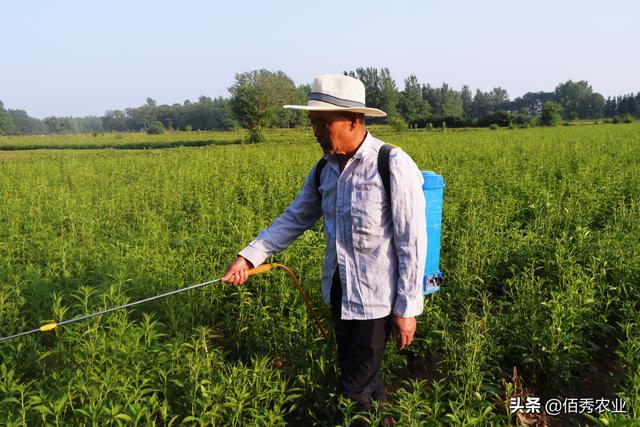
[364, 147]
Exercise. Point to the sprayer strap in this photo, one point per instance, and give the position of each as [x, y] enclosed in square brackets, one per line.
[319, 166]
[383, 168]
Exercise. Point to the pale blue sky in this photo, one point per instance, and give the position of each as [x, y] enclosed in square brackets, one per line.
[79, 58]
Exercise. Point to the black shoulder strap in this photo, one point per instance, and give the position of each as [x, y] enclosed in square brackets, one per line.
[319, 166]
[383, 168]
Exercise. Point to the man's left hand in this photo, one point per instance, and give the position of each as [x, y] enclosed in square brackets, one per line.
[403, 329]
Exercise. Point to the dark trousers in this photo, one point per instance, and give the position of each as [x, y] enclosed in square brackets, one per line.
[360, 351]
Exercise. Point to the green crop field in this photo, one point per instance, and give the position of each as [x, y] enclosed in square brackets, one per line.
[540, 251]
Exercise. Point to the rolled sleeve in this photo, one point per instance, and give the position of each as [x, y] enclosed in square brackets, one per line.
[254, 255]
[409, 232]
[301, 214]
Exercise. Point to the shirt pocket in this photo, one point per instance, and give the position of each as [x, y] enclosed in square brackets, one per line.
[368, 210]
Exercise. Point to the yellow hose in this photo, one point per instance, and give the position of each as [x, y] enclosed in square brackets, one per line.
[268, 267]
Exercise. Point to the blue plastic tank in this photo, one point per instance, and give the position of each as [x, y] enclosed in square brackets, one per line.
[433, 188]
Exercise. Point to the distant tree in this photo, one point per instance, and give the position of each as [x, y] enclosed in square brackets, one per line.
[412, 107]
[258, 96]
[578, 99]
[498, 99]
[200, 115]
[114, 121]
[485, 103]
[7, 127]
[532, 101]
[610, 107]
[57, 124]
[550, 115]
[467, 100]
[596, 106]
[224, 118]
[171, 116]
[26, 125]
[380, 90]
[627, 104]
[497, 118]
[444, 101]
[371, 79]
[305, 88]
[522, 117]
[208, 114]
[481, 104]
[85, 124]
[155, 128]
[389, 93]
[291, 118]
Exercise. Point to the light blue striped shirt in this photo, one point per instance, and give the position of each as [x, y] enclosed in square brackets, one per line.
[380, 250]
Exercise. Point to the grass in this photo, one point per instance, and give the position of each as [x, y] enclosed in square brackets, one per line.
[539, 251]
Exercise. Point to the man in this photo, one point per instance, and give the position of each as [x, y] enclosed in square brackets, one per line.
[376, 248]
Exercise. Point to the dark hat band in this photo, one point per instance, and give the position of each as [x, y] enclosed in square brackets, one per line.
[347, 103]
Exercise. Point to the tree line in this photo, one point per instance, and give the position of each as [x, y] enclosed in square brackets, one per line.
[256, 98]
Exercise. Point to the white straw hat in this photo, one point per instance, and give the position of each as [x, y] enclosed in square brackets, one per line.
[335, 92]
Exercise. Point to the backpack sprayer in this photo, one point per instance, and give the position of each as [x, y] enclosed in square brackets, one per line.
[433, 188]
[260, 269]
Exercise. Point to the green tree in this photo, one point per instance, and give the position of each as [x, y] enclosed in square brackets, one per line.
[532, 101]
[444, 101]
[550, 115]
[258, 96]
[210, 113]
[114, 121]
[380, 89]
[481, 104]
[522, 118]
[578, 99]
[57, 124]
[7, 127]
[290, 118]
[389, 93]
[485, 103]
[155, 128]
[370, 77]
[498, 99]
[413, 108]
[467, 100]
[26, 125]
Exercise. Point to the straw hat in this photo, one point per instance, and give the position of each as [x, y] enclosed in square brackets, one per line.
[335, 92]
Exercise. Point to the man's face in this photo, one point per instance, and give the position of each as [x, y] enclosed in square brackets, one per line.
[331, 129]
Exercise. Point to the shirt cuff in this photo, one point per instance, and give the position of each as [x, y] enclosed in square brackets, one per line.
[409, 308]
[254, 255]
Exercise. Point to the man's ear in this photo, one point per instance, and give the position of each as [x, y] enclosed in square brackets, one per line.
[354, 121]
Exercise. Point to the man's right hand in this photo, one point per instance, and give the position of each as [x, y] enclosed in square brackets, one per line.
[236, 273]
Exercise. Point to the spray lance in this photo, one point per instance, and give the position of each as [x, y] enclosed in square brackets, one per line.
[260, 269]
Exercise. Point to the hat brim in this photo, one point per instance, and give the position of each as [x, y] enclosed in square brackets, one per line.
[370, 112]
